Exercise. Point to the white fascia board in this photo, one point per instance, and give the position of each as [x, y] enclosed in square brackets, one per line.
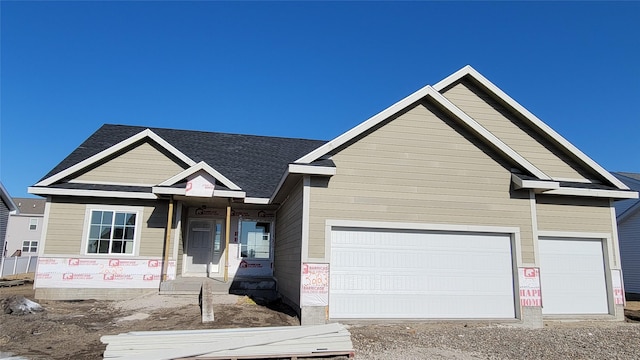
[400, 105]
[198, 167]
[546, 129]
[311, 170]
[96, 182]
[168, 191]
[533, 184]
[363, 127]
[216, 193]
[114, 149]
[280, 183]
[91, 193]
[255, 200]
[229, 193]
[466, 70]
[615, 194]
[487, 135]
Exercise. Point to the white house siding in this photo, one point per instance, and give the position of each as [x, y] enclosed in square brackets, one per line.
[419, 168]
[146, 163]
[18, 231]
[513, 132]
[288, 245]
[629, 238]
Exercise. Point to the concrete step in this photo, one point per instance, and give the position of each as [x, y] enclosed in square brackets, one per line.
[264, 287]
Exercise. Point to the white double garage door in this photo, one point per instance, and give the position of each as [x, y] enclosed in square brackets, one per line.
[377, 274]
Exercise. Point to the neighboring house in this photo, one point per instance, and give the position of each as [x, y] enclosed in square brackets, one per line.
[455, 202]
[628, 216]
[25, 227]
[7, 207]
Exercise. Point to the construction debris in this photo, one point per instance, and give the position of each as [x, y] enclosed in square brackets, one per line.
[245, 343]
[19, 305]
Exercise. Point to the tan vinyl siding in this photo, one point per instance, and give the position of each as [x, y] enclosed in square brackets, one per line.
[419, 168]
[144, 164]
[64, 228]
[514, 132]
[565, 213]
[67, 223]
[573, 214]
[288, 245]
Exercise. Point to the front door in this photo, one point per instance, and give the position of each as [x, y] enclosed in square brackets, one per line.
[204, 247]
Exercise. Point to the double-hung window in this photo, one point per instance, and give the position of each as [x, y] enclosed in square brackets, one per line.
[30, 246]
[112, 232]
[33, 224]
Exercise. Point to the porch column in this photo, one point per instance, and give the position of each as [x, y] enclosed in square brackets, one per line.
[227, 230]
[167, 240]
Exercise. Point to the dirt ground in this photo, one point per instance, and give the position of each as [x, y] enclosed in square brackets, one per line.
[72, 329]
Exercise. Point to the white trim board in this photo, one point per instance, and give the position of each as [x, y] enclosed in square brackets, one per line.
[91, 193]
[616, 194]
[426, 91]
[201, 166]
[114, 149]
[302, 169]
[533, 120]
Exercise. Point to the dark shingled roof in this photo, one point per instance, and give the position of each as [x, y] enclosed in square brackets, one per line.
[255, 163]
[632, 180]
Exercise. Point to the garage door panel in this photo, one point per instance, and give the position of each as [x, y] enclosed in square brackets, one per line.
[420, 275]
[414, 306]
[572, 276]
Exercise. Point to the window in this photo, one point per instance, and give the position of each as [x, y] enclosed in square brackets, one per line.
[33, 224]
[255, 240]
[111, 232]
[29, 246]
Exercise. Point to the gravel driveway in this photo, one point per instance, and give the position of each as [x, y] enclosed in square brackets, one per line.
[557, 340]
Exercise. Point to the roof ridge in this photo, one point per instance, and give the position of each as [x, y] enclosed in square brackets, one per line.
[153, 128]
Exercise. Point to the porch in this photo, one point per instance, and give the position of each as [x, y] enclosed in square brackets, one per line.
[255, 287]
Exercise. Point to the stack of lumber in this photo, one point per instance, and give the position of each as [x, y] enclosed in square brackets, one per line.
[245, 343]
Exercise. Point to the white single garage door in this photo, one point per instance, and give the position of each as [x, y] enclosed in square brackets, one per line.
[572, 277]
[416, 274]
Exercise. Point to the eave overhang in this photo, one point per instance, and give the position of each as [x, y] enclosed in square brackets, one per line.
[570, 189]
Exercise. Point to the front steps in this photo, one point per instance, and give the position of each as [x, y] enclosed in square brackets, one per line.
[262, 287]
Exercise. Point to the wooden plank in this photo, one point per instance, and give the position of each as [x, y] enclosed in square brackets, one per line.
[10, 283]
[230, 344]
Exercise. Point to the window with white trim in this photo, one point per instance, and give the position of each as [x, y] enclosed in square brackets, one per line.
[112, 232]
[33, 224]
[30, 246]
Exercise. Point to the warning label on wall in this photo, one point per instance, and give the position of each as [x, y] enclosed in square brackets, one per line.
[315, 284]
[618, 291]
[530, 287]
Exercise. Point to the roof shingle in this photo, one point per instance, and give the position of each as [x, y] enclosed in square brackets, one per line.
[255, 163]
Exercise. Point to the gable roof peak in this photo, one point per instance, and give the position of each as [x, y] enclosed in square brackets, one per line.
[140, 136]
[531, 119]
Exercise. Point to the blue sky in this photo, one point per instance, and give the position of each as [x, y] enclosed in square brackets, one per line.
[304, 69]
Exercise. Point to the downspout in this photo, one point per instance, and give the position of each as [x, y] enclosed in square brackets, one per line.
[167, 240]
[226, 242]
